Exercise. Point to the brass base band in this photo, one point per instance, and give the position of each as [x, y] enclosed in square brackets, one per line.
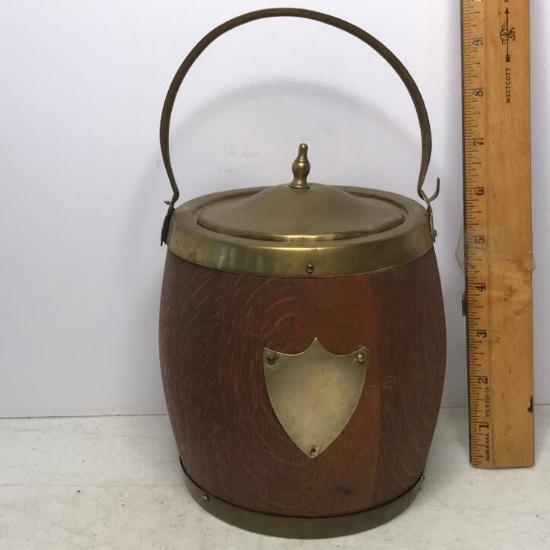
[300, 528]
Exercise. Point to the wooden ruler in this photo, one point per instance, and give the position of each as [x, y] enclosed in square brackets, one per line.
[498, 231]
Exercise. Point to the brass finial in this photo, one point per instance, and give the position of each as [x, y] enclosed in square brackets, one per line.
[300, 169]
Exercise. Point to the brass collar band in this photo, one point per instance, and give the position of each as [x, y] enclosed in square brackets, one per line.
[398, 245]
[301, 528]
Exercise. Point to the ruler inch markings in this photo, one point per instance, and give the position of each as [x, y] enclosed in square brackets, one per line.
[498, 231]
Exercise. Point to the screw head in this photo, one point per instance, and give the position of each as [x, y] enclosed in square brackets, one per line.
[312, 451]
[360, 357]
[310, 268]
[271, 359]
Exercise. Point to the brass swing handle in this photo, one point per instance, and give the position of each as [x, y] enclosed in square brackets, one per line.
[305, 14]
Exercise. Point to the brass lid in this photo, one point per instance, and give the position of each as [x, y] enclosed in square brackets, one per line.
[300, 229]
[300, 212]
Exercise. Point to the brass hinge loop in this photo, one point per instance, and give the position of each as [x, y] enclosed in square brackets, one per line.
[166, 222]
[428, 201]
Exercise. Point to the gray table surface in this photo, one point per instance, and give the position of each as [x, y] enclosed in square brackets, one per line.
[115, 483]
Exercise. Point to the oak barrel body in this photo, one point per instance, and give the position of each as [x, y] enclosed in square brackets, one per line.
[214, 327]
[302, 337]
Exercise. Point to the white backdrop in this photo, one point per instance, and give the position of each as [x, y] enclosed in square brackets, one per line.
[82, 184]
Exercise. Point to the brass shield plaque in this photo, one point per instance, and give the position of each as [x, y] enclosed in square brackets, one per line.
[315, 393]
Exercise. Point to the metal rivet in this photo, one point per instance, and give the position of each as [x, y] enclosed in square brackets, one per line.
[205, 497]
[312, 450]
[310, 268]
[360, 357]
[422, 478]
[271, 359]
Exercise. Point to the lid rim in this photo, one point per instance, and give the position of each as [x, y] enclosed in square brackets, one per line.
[396, 246]
[281, 213]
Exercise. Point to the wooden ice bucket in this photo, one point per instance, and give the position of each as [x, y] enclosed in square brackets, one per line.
[302, 341]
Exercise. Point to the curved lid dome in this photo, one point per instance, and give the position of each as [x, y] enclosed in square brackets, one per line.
[301, 211]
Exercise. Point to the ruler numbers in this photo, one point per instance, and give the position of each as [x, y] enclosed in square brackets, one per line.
[489, 62]
[476, 233]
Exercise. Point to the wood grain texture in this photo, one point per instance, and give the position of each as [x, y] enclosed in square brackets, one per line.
[214, 327]
[498, 234]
